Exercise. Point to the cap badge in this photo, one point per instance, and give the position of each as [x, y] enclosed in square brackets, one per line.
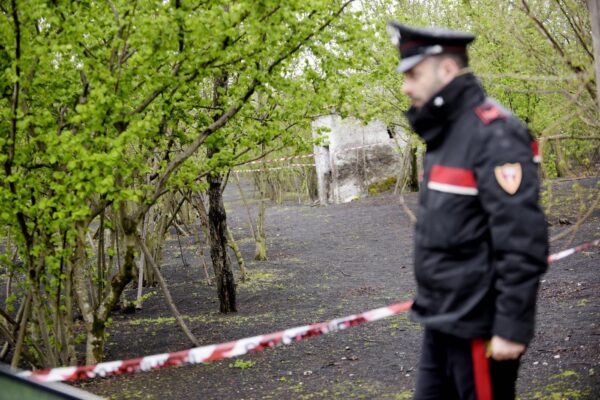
[509, 177]
[433, 50]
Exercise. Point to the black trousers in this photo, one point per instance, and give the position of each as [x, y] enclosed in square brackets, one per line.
[453, 368]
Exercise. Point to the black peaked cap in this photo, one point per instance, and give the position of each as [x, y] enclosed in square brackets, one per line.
[415, 44]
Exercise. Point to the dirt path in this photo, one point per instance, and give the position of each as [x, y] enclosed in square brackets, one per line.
[329, 262]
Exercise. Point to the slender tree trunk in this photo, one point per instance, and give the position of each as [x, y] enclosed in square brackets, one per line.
[49, 356]
[167, 294]
[238, 254]
[218, 246]
[199, 206]
[246, 206]
[22, 329]
[69, 331]
[204, 266]
[82, 292]
[412, 183]
[155, 236]
[594, 8]
[203, 215]
[260, 253]
[101, 260]
[561, 163]
[141, 263]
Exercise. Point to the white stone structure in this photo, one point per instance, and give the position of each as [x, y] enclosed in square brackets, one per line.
[354, 156]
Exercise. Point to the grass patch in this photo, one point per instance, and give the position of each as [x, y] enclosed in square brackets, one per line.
[242, 364]
[264, 279]
[401, 322]
[211, 318]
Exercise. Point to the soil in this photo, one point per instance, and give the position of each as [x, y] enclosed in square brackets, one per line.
[330, 262]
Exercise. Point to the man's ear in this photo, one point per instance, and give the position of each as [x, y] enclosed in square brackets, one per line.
[449, 68]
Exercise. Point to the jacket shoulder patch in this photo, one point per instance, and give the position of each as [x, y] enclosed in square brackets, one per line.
[489, 112]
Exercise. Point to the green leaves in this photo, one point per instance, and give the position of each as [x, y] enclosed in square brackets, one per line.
[108, 95]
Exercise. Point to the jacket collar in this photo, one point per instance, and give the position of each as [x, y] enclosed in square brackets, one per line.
[430, 121]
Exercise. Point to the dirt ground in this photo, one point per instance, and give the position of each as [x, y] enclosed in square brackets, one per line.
[330, 262]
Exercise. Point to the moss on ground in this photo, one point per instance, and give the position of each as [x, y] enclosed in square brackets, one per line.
[563, 386]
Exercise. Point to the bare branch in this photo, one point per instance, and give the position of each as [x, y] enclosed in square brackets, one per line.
[576, 29]
[165, 289]
[566, 137]
[540, 26]
[115, 13]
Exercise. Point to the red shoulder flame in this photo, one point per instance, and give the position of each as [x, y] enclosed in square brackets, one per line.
[489, 112]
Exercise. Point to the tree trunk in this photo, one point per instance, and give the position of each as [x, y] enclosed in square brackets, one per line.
[594, 8]
[562, 162]
[82, 292]
[141, 264]
[96, 317]
[21, 335]
[218, 245]
[156, 233]
[412, 177]
[67, 315]
[260, 253]
[246, 206]
[198, 204]
[238, 254]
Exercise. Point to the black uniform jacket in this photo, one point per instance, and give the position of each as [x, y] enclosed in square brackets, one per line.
[481, 237]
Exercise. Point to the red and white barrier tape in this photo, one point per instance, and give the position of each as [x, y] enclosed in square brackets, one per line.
[364, 146]
[342, 150]
[238, 347]
[214, 352]
[566, 253]
[275, 168]
[274, 160]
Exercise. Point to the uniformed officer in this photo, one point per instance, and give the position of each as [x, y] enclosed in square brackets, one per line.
[481, 240]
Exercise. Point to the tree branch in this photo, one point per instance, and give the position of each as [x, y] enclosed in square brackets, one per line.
[165, 289]
[575, 28]
[575, 227]
[555, 45]
[191, 149]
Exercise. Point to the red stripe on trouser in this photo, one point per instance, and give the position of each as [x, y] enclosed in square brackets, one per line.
[481, 370]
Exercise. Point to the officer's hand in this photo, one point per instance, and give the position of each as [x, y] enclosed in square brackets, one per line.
[502, 349]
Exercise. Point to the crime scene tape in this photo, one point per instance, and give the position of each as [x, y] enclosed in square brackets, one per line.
[566, 253]
[239, 347]
[214, 352]
[276, 160]
[274, 168]
[281, 159]
[364, 146]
